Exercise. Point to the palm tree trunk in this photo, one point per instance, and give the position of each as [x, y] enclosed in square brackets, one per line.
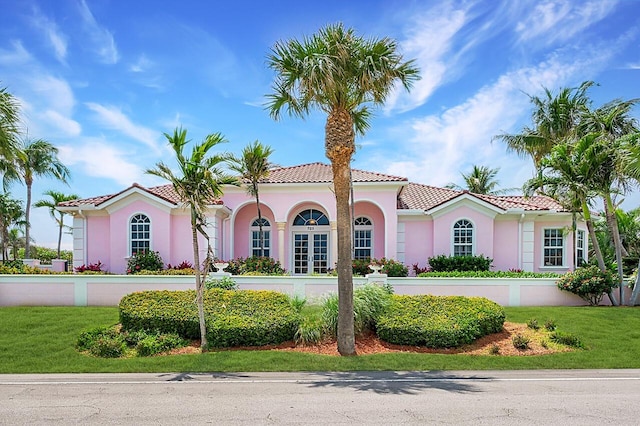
[260, 232]
[612, 222]
[594, 242]
[27, 226]
[339, 147]
[199, 285]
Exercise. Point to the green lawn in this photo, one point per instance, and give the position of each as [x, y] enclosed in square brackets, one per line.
[42, 339]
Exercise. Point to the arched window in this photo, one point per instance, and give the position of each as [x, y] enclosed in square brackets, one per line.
[463, 238]
[310, 217]
[139, 233]
[362, 241]
[266, 238]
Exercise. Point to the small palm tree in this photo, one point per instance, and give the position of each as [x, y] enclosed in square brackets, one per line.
[341, 74]
[481, 180]
[198, 183]
[254, 165]
[56, 198]
[34, 158]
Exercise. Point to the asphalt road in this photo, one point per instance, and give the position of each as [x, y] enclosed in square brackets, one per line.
[547, 397]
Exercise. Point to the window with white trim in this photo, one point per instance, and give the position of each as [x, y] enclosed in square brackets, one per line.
[553, 247]
[139, 233]
[463, 238]
[266, 238]
[362, 240]
[581, 253]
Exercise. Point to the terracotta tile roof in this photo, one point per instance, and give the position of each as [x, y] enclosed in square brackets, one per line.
[425, 197]
[165, 192]
[322, 173]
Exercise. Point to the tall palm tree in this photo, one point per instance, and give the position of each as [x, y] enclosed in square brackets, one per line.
[341, 74]
[11, 214]
[56, 198]
[9, 117]
[481, 180]
[555, 117]
[34, 158]
[199, 183]
[254, 165]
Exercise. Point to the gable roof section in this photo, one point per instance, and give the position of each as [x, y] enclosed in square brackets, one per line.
[164, 192]
[322, 173]
[417, 196]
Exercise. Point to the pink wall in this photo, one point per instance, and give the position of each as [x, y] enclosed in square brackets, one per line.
[181, 247]
[505, 245]
[443, 231]
[418, 242]
[372, 212]
[241, 232]
[98, 232]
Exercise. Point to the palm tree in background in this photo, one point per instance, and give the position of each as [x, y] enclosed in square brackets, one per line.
[341, 74]
[55, 198]
[555, 117]
[33, 158]
[11, 214]
[481, 180]
[198, 183]
[9, 118]
[254, 165]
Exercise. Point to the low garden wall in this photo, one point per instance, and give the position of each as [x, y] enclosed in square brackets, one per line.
[107, 290]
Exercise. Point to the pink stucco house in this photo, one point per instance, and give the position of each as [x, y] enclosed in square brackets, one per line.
[394, 218]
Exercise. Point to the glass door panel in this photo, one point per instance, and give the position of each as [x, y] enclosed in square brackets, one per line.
[320, 253]
[300, 253]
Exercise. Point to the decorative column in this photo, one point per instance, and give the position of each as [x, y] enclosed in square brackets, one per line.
[281, 227]
[334, 244]
[528, 239]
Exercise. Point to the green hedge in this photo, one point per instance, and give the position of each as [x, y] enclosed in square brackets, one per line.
[442, 263]
[489, 274]
[439, 321]
[234, 318]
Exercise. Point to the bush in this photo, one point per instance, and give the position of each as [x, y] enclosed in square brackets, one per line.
[255, 265]
[145, 260]
[520, 341]
[234, 318]
[153, 344]
[391, 267]
[439, 321]
[225, 283]
[550, 325]
[369, 302]
[489, 274]
[588, 282]
[444, 263]
[45, 254]
[104, 342]
[92, 267]
[566, 339]
[167, 272]
[182, 265]
[310, 331]
[533, 324]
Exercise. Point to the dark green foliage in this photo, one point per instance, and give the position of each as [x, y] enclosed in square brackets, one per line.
[439, 321]
[104, 342]
[520, 341]
[550, 325]
[444, 263]
[255, 265]
[145, 261]
[234, 318]
[489, 274]
[588, 282]
[225, 283]
[153, 344]
[310, 331]
[45, 254]
[567, 339]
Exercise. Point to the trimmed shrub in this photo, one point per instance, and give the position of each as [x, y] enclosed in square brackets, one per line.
[104, 342]
[588, 282]
[153, 344]
[145, 260]
[489, 274]
[520, 341]
[234, 318]
[439, 321]
[444, 263]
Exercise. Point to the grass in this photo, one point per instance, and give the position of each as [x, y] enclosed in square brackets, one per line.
[42, 340]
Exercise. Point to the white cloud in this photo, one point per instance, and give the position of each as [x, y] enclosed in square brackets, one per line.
[430, 39]
[98, 158]
[115, 119]
[101, 38]
[441, 145]
[141, 65]
[17, 56]
[560, 20]
[55, 37]
[69, 126]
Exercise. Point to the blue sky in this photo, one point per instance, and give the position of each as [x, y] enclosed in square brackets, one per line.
[103, 79]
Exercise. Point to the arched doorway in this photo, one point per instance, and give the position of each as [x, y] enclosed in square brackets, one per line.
[310, 241]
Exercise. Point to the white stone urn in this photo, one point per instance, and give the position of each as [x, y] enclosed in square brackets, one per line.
[220, 266]
[375, 268]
